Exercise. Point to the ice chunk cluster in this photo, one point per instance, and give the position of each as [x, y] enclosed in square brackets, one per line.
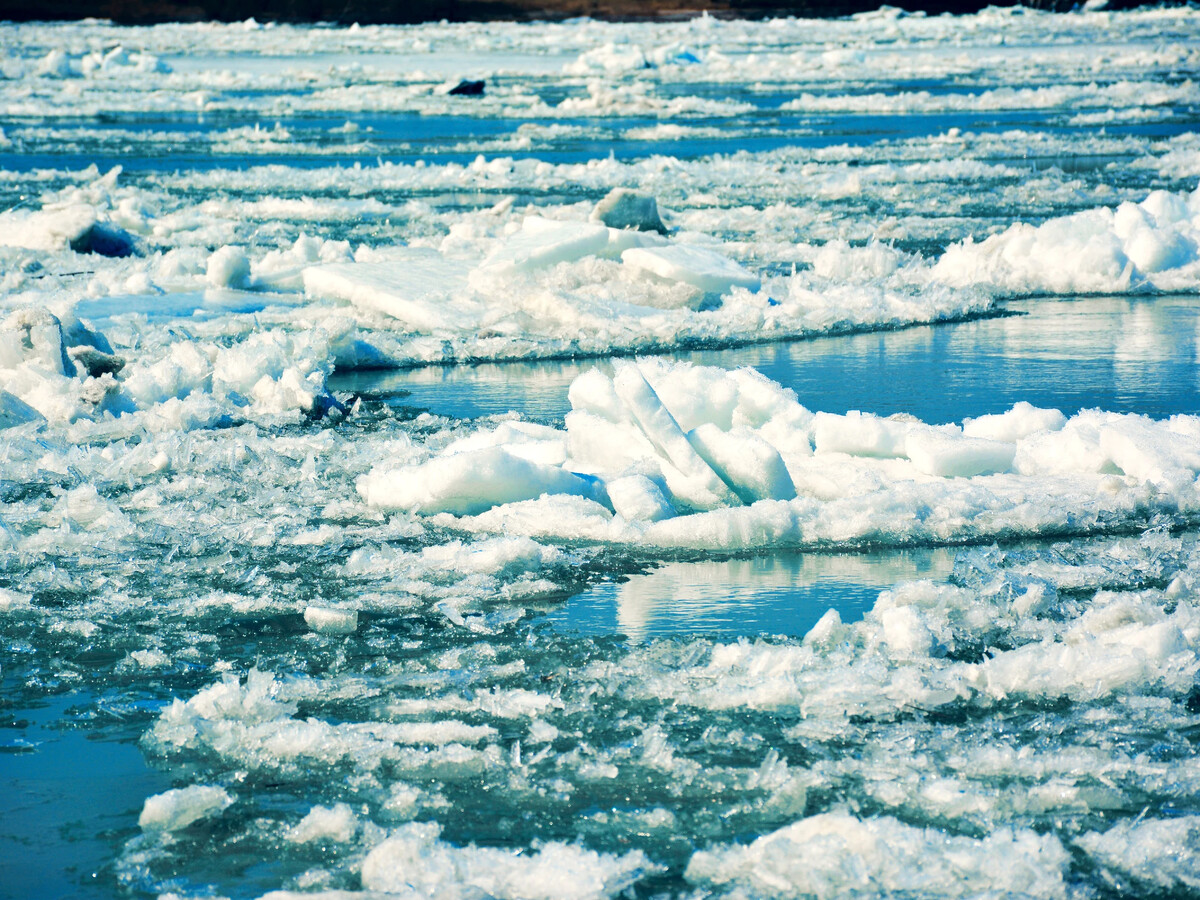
[676, 455]
[56, 371]
[837, 854]
[1022, 727]
[180, 808]
[413, 861]
[429, 290]
[1151, 245]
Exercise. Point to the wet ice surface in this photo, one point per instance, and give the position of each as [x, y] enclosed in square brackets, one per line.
[751, 646]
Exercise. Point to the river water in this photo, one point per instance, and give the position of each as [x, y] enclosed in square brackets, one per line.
[553, 716]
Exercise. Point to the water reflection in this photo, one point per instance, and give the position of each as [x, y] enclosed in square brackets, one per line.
[784, 594]
[68, 797]
[1116, 353]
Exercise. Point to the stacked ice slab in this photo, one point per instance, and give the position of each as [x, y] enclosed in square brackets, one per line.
[682, 455]
[433, 290]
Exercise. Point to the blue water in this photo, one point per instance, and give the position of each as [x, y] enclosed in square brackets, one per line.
[784, 594]
[408, 137]
[1124, 354]
[71, 789]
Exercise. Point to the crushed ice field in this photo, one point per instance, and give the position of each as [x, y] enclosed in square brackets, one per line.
[387, 509]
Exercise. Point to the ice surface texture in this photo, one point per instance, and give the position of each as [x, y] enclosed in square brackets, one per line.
[344, 697]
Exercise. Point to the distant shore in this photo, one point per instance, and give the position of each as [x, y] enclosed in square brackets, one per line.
[415, 11]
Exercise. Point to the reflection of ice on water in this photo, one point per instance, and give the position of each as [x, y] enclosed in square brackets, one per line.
[774, 595]
[1147, 342]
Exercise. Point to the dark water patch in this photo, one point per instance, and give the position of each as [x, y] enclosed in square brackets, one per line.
[69, 799]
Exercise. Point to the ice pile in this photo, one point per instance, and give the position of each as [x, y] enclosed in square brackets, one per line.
[84, 219]
[51, 370]
[811, 858]
[79, 68]
[62, 371]
[414, 862]
[503, 283]
[676, 455]
[541, 286]
[430, 290]
[179, 808]
[1152, 245]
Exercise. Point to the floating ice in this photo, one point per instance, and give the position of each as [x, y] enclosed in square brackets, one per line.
[550, 281]
[470, 482]
[1154, 244]
[45, 379]
[1162, 854]
[708, 271]
[414, 861]
[743, 465]
[161, 519]
[416, 289]
[331, 621]
[543, 242]
[182, 807]
[839, 855]
[625, 208]
[337, 823]
[228, 267]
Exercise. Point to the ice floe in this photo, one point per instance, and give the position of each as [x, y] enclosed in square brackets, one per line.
[719, 460]
[855, 755]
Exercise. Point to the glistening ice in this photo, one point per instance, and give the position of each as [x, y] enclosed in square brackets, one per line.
[714, 459]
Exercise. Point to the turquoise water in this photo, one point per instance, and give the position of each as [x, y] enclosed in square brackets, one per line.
[72, 782]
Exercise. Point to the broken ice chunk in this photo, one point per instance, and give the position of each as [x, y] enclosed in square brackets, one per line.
[324, 620]
[15, 411]
[625, 208]
[337, 823]
[699, 485]
[176, 809]
[621, 239]
[859, 434]
[97, 362]
[32, 335]
[104, 239]
[952, 456]
[1021, 421]
[751, 467]
[545, 242]
[704, 269]
[417, 288]
[228, 267]
[472, 482]
[638, 498]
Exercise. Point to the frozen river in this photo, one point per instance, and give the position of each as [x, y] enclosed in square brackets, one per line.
[380, 517]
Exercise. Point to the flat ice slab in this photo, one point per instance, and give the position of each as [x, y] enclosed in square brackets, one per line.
[709, 271]
[418, 289]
